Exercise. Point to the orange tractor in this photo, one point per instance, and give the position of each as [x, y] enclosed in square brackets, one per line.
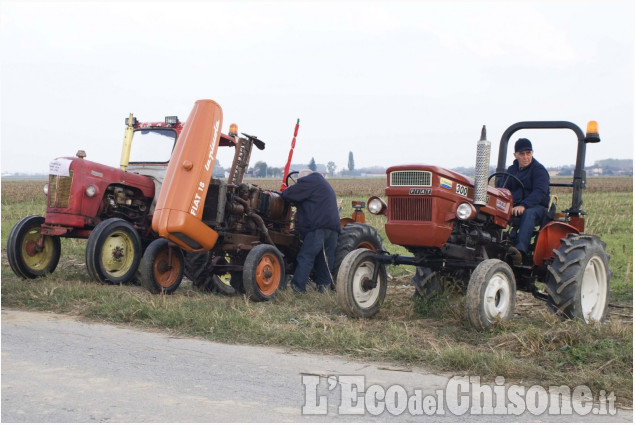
[228, 235]
[460, 228]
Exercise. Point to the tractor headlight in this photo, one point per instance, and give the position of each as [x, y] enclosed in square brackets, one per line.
[376, 205]
[90, 191]
[465, 211]
[46, 189]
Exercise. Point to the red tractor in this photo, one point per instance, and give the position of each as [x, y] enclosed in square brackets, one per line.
[111, 207]
[227, 235]
[460, 228]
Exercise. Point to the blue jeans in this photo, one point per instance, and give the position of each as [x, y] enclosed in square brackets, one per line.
[311, 257]
[530, 219]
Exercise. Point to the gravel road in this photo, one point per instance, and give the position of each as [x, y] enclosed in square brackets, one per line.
[56, 368]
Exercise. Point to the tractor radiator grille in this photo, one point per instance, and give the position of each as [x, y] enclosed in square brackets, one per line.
[411, 178]
[60, 190]
[410, 209]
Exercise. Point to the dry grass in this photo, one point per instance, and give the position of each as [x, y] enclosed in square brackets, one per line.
[535, 347]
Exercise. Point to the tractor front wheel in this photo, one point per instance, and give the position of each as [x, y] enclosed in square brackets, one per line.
[578, 279]
[352, 237]
[357, 294]
[113, 251]
[491, 294]
[30, 253]
[162, 267]
[263, 272]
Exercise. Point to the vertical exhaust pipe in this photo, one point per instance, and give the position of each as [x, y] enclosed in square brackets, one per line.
[481, 170]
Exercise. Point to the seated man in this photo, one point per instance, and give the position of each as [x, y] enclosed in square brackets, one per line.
[531, 207]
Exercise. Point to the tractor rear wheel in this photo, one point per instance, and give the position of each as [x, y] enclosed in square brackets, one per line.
[196, 271]
[113, 251]
[263, 272]
[162, 267]
[352, 237]
[427, 283]
[26, 257]
[578, 279]
[491, 294]
[357, 294]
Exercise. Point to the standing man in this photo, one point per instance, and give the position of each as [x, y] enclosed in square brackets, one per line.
[530, 204]
[318, 223]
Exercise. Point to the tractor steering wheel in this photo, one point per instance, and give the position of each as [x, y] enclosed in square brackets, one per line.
[522, 186]
[291, 177]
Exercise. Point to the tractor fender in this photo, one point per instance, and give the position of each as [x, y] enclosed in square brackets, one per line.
[549, 239]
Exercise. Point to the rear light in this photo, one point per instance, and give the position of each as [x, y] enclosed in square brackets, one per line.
[172, 120]
[376, 205]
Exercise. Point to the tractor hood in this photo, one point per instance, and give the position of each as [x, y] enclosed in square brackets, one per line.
[100, 175]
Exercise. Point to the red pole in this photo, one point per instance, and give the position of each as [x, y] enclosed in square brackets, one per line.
[286, 168]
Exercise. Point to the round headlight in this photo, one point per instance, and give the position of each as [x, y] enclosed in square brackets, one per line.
[376, 206]
[465, 211]
[90, 191]
[46, 189]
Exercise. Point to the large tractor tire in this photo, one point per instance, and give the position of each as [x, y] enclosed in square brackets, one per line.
[113, 251]
[357, 294]
[352, 237]
[578, 279]
[263, 272]
[427, 283]
[26, 258]
[196, 271]
[491, 294]
[162, 267]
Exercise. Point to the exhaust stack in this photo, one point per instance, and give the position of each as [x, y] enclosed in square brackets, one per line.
[481, 170]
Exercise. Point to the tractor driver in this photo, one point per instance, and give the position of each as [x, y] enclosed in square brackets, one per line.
[530, 205]
[319, 227]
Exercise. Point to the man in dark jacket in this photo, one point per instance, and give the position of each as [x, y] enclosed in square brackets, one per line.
[531, 205]
[318, 223]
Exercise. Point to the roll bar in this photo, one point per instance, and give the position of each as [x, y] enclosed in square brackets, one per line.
[579, 174]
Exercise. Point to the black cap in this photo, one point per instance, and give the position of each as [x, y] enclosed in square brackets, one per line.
[522, 145]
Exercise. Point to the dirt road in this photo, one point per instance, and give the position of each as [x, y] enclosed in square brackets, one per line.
[56, 368]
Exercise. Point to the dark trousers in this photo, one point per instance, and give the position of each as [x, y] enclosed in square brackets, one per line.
[316, 244]
[530, 219]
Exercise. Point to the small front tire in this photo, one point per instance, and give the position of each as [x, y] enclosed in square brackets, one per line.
[491, 294]
[263, 272]
[26, 258]
[162, 267]
[357, 294]
[352, 237]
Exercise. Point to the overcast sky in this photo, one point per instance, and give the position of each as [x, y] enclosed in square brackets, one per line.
[393, 82]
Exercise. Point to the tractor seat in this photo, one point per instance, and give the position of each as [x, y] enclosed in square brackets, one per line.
[514, 222]
[551, 211]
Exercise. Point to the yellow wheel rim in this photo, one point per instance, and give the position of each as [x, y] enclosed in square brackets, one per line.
[33, 257]
[117, 254]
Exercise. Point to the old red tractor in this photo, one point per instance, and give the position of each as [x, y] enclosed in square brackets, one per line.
[227, 231]
[460, 228]
[111, 207]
